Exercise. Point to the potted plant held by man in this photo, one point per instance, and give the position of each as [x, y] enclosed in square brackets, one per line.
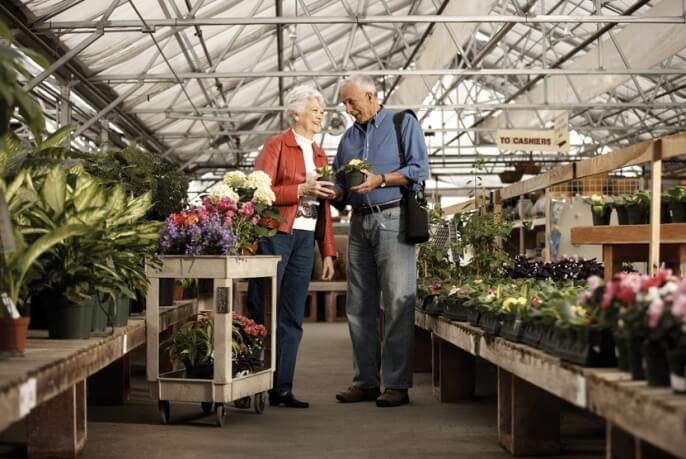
[353, 171]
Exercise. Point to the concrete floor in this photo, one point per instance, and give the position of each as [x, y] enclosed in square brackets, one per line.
[425, 428]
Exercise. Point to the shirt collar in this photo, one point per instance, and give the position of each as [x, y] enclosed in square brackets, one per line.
[376, 119]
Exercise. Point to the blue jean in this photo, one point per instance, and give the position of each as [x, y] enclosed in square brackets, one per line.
[292, 281]
[381, 264]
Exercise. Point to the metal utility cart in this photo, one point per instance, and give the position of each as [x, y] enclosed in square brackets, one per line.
[223, 388]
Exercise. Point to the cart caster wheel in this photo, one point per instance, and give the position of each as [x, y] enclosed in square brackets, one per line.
[242, 403]
[220, 412]
[163, 408]
[206, 407]
[260, 402]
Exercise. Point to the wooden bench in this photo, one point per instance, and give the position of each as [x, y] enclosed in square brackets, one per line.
[48, 384]
[531, 384]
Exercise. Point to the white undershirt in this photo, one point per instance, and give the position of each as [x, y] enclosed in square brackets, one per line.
[305, 144]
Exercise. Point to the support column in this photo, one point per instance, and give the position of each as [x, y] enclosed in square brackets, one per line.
[453, 372]
[528, 417]
[619, 444]
[57, 428]
[111, 385]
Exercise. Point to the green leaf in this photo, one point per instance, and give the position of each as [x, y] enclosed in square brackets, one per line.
[5, 32]
[57, 139]
[54, 190]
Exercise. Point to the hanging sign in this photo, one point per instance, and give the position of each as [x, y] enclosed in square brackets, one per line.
[528, 140]
[561, 131]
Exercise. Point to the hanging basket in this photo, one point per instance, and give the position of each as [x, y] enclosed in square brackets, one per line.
[510, 176]
[527, 167]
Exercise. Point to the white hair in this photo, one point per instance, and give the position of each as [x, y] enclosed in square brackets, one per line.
[362, 82]
[297, 98]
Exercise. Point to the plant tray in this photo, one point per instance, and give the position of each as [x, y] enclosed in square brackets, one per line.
[455, 309]
[512, 328]
[589, 347]
[490, 322]
[433, 305]
[533, 332]
[473, 316]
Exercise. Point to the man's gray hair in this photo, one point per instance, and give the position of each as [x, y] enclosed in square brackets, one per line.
[297, 98]
[362, 82]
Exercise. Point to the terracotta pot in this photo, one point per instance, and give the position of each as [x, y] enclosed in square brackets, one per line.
[178, 292]
[248, 250]
[13, 333]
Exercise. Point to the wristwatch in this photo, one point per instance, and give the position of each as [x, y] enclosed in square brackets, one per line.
[383, 181]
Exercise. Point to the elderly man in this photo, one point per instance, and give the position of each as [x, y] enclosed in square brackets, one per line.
[380, 262]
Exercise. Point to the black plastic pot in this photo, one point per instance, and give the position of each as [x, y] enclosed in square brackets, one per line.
[637, 215]
[205, 371]
[354, 178]
[622, 215]
[602, 219]
[454, 309]
[677, 369]
[433, 305]
[589, 347]
[656, 366]
[677, 211]
[512, 328]
[635, 354]
[167, 291]
[533, 331]
[70, 321]
[473, 315]
[622, 352]
[665, 215]
[490, 322]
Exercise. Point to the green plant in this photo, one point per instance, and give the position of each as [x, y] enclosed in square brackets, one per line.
[107, 257]
[11, 93]
[640, 199]
[324, 171]
[142, 171]
[355, 165]
[193, 342]
[599, 203]
[676, 194]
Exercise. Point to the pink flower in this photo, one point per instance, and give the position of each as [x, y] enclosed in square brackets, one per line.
[609, 294]
[655, 311]
[583, 296]
[255, 220]
[536, 301]
[631, 281]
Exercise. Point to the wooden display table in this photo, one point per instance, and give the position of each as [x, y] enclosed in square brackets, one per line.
[630, 243]
[48, 383]
[531, 382]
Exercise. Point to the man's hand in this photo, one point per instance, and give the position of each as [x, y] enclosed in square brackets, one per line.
[372, 181]
[327, 269]
[317, 189]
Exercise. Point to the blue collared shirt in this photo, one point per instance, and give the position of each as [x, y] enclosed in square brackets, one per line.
[378, 144]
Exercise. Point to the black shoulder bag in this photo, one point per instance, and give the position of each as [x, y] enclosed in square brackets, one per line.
[416, 213]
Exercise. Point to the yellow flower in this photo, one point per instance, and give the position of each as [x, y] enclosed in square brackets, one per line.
[578, 311]
[477, 281]
[597, 200]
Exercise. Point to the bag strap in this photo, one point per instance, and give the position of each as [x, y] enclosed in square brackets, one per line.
[397, 122]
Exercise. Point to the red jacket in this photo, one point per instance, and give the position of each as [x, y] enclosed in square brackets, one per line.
[282, 159]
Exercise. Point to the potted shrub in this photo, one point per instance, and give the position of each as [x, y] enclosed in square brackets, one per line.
[676, 201]
[14, 328]
[601, 209]
[353, 172]
[326, 174]
[637, 207]
[193, 345]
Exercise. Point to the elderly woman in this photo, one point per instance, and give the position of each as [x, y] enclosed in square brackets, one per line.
[290, 159]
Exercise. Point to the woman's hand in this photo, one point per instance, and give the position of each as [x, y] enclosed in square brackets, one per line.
[327, 269]
[317, 189]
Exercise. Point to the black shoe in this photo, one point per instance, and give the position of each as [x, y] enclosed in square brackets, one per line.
[287, 399]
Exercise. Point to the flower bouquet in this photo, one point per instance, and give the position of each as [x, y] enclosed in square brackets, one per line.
[231, 220]
[353, 171]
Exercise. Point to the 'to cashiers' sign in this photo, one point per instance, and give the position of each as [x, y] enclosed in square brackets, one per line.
[556, 139]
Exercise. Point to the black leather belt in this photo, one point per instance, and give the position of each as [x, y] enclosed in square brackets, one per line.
[366, 210]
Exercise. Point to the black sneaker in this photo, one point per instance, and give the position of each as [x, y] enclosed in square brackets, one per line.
[393, 397]
[356, 394]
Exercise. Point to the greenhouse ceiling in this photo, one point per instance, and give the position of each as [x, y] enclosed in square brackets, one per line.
[202, 81]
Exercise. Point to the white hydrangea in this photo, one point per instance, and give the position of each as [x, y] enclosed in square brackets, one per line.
[259, 180]
[221, 189]
[235, 179]
[264, 196]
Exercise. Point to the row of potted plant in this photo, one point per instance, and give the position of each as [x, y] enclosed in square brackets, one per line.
[635, 321]
[634, 209]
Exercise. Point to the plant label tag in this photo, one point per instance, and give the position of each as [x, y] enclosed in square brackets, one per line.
[581, 398]
[222, 300]
[472, 344]
[27, 397]
[677, 382]
[10, 307]
[124, 345]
